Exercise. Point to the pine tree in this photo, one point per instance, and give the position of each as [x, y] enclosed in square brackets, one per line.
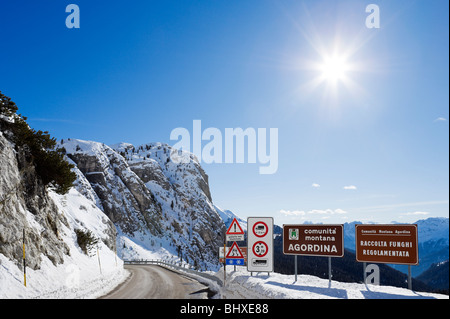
[40, 147]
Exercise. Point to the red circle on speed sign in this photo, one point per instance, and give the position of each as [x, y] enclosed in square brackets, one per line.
[260, 229]
[260, 249]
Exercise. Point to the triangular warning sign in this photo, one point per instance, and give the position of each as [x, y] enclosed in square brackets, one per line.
[234, 252]
[235, 228]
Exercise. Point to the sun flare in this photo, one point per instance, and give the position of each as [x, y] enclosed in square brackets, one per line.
[334, 68]
[334, 75]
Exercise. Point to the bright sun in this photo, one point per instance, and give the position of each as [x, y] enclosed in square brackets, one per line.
[334, 68]
[334, 72]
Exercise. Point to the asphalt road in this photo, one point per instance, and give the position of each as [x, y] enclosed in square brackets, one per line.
[155, 282]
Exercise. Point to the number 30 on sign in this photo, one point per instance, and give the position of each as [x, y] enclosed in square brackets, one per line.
[260, 249]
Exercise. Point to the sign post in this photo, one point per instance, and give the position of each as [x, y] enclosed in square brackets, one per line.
[235, 232]
[295, 268]
[224, 264]
[388, 244]
[24, 261]
[329, 270]
[235, 256]
[260, 244]
[314, 240]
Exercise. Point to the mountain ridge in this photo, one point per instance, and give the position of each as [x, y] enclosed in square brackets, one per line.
[153, 201]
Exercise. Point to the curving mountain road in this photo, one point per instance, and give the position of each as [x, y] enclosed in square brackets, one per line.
[155, 282]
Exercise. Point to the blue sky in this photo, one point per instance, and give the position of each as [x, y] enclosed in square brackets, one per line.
[370, 147]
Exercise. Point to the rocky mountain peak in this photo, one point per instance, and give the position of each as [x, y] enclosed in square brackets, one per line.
[150, 198]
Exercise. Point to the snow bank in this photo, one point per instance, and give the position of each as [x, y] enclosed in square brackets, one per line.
[240, 285]
[129, 249]
[80, 276]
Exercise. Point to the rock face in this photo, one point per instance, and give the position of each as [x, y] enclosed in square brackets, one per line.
[26, 205]
[118, 191]
[151, 199]
[147, 198]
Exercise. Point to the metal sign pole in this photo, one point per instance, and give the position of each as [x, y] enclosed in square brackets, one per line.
[295, 268]
[364, 272]
[329, 270]
[24, 261]
[224, 262]
[409, 278]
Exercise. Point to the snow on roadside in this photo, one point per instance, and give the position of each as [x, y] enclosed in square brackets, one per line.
[240, 285]
[80, 276]
[76, 278]
[133, 249]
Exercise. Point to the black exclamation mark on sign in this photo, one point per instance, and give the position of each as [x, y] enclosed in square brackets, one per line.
[235, 228]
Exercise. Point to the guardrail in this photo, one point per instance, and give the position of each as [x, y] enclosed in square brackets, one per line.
[174, 265]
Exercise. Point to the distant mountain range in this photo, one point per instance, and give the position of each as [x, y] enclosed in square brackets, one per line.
[436, 276]
[430, 274]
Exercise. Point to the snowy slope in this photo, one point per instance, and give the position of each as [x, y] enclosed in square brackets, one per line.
[80, 276]
[182, 191]
[228, 216]
[159, 207]
[56, 267]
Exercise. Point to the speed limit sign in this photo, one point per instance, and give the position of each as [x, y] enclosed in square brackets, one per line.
[260, 249]
[260, 244]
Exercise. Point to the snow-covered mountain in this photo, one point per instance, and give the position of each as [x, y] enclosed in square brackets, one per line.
[228, 216]
[135, 201]
[25, 206]
[155, 203]
[433, 229]
[433, 236]
[56, 265]
[131, 200]
[437, 276]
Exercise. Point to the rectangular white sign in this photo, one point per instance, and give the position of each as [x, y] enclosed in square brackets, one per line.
[235, 237]
[260, 244]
